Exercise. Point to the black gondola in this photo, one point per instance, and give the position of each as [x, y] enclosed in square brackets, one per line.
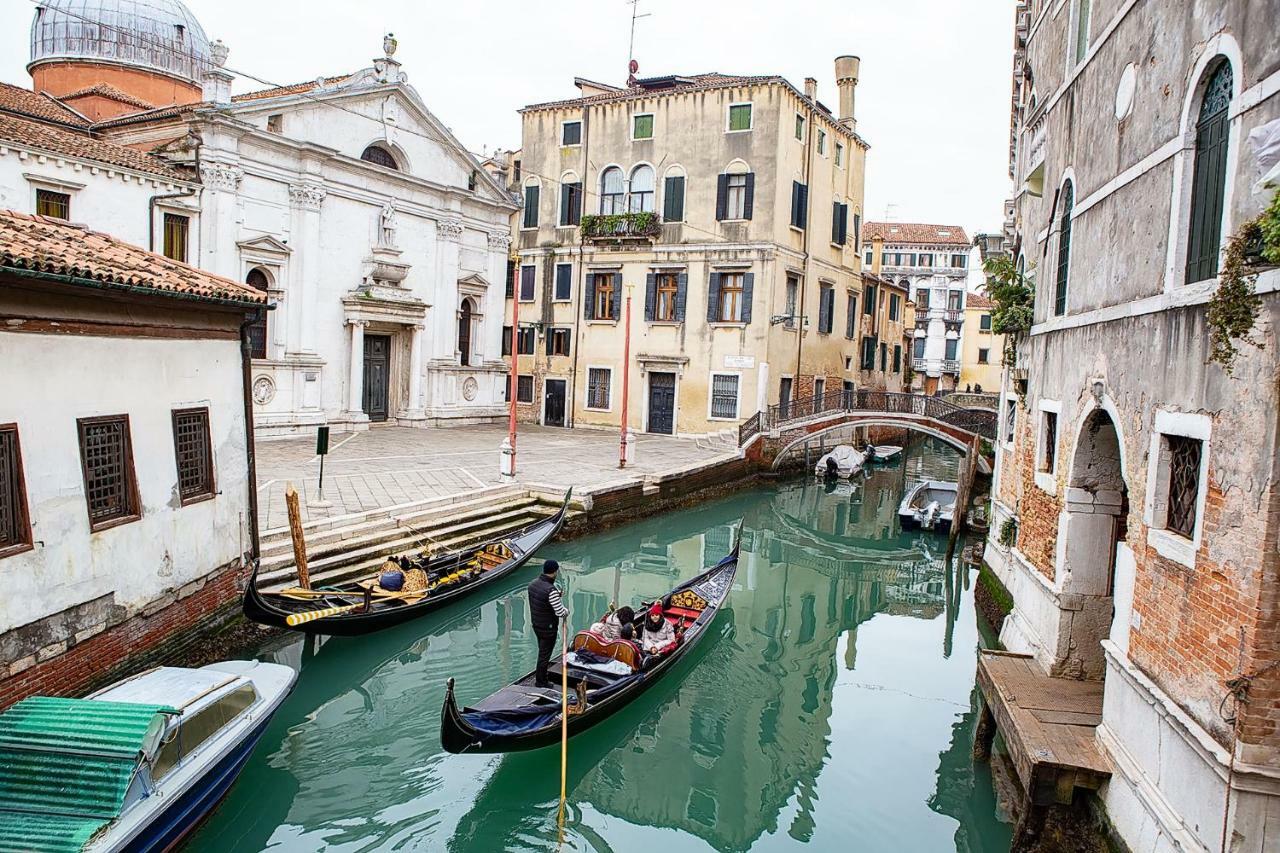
[353, 609]
[522, 716]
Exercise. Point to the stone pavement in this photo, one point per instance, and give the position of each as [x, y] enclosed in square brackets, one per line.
[389, 465]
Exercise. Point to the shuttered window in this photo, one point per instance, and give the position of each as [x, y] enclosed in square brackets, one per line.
[734, 196]
[558, 341]
[524, 389]
[527, 273]
[666, 290]
[571, 133]
[673, 199]
[869, 353]
[799, 205]
[571, 203]
[525, 339]
[194, 454]
[1208, 184]
[106, 456]
[1064, 250]
[531, 199]
[15, 526]
[176, 228]
[851, 316]
[564, 282]
[897, 358]
[826, 308]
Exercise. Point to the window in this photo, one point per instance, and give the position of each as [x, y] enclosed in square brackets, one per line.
[15, 521]
[869, 299]
[524, 388]
[257, 331]
[106, 456]
[839, 153]
[799, 204]
[558, 341]
[527, 273]
[851, 316]
[525, 338]
[984, 323]
[532, 193]
[869, 352]
[839, 223]
[1183, 484]
[822, 141]
[826, 308]
[564, 283]
[868, 259]
[895, 307]
[959, 262]
[884, 357]
[604, 299]
[897, 358]
[641, 199]
[1064, 250]
[511, 279]
[673, 198]
[194, 453]
[1082, 29]
[275, 123]
[506, 340]
[199, 727]
[739, 117]
[922, 298]
[379, 156]
[54, 204]
[729, 304]
[792, 295]
[919, 347]
[642, 126]
[1010, 419]
[951, 346]
[984, 356]
[1209, 176]
[571, 133]
[612, 191]
[724, 396]
[570, 203]
[734, 196]
[1048, 442]
[598, 382]
[175, 236]
[820, 389]
[926, 259]
[955, 300]
[666, 294]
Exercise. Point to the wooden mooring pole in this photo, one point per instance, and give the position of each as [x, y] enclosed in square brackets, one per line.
[960, 518]
[295, 532]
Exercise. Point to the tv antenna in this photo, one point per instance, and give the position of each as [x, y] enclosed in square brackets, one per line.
[632, 65]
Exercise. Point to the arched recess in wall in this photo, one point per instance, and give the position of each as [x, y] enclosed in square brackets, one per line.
[466, 323]
[259, 278]
[386, 155]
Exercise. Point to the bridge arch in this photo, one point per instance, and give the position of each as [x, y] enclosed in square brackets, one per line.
[888, 420]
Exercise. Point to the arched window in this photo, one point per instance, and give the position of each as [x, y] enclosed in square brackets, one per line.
[464, 332]
[642, 190]
[1208, 184]
[380, 156]
[612, 191]
[258, 330]
[673, 195]
[1064, 249]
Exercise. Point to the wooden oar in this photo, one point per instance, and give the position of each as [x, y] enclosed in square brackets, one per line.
[311, 615]
[564, 718]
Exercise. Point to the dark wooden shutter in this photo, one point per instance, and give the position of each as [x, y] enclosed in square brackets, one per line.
[550, 336]
[616, 301]
[795, 204]
[748, 288]
[564, 282]
[722, 197]
[682, 292]
[857, 233]
[650, 295]
[1208, 183]
[531, 206]
[673, 199]
[804, 205]
[749, 201]
[589, 304]
[506, 340]
[575, 208]
[713, 298]
[844, 224]
[566, 204]
[824, 312]
[835, 221]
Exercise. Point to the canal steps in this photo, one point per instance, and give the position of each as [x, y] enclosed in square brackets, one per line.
[354, 546]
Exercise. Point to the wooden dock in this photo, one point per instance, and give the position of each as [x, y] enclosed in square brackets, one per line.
[1048, 725]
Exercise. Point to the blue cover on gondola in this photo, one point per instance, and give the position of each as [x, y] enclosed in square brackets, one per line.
[530, 718]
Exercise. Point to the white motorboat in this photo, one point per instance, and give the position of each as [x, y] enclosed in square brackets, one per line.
[842, 462]
[881, 452]
[930, 505]
[137, 765]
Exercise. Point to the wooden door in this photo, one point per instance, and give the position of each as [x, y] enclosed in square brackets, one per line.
[377, 370]
[553, 403]
[662, 403]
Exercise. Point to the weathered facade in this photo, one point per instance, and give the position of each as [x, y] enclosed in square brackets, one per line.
[1136, 507]
[980, 348]
[728, 210]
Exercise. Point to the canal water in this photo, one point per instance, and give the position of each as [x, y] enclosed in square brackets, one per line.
[831, 707]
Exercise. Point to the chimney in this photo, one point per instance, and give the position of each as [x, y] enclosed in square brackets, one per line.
[846, 82]
[877, 254]
[811, 88]
[217, 82]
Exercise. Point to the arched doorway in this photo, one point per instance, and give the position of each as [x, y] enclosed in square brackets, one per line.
[258, 279]
[464, 332]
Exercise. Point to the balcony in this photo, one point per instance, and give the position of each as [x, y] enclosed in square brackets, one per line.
[922, 316]
[621, 227]
[953, 315]
[951, 365]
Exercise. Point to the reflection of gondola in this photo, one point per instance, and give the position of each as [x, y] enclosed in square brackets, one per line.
[521, 716]
[458, 574]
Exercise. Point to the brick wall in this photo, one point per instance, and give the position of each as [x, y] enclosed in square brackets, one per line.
[1038, 510]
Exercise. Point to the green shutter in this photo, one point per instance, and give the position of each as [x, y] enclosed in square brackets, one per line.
[673, 199]
[682, 291]
[713, 298]
[650, 296]
[748, 290]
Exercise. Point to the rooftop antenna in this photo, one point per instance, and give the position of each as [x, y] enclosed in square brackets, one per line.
[632, 65]
[888, 212]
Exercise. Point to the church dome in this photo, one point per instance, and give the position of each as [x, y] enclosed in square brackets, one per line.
[160, 36]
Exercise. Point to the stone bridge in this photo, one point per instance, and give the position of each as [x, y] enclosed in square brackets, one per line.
[782, 431]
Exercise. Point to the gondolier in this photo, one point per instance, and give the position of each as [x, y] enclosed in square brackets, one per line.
[546, 610]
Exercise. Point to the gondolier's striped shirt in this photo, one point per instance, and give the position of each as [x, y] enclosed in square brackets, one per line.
[553, 598]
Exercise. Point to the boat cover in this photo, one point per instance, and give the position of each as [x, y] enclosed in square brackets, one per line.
[524, 719]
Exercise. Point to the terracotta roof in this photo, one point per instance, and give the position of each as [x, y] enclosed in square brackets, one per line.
[293, 89]
[180, 110]
[649, 88]
[71, 143]
[915, 232]
[55, 248]
[15, 99]
[977, 300]
[106, 90]
[153, 115]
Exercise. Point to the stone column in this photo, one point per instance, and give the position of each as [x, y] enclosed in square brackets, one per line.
[496, 298]
[305, 200]
[355, 381]
[414, 410]
[448, 250]
[218, 228]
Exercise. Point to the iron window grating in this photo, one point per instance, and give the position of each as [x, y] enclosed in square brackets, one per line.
[724, 396]
[194, 454]
[1184, 484]
[54, 204]
[15, 527]
[106, 455]
[598, 379]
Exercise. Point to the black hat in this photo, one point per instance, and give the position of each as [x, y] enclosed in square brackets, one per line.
[550, 567]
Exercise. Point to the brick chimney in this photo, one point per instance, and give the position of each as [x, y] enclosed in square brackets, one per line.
[847, 81]
[811, 88]
[877, 254]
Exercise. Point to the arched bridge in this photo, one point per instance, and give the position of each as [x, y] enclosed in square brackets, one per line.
[772, 435]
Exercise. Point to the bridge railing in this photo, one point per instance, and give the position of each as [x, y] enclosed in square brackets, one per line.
[781, 415]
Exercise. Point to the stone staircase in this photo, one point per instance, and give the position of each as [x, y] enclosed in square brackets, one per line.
[723, 441]
[353, 546]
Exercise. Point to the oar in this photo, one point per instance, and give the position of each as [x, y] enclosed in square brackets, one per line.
[564, 717]
[311, 615]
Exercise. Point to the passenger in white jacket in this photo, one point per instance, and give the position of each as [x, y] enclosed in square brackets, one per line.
[658, 637]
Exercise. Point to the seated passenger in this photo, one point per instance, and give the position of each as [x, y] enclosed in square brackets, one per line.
[610, 627]
[658, 637]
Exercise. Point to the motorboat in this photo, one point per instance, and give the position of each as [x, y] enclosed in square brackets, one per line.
[929, 505]
[881, 452]
[842, 462]
[137, 765]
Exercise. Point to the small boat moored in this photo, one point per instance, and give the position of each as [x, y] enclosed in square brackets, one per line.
[929, 505]
[842, 462]
[881, 452]
[135, 766]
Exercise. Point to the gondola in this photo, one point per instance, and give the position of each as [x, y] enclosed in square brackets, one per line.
[359, 607]
[522, 716]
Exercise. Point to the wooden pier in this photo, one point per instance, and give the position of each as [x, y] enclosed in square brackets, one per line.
[1048, 726]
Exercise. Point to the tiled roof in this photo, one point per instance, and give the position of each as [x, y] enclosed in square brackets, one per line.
[153, 115]
[915, 232]
[53, 247]
[293, 89]
[106, 90]
[180, 110]
[683, 83]
[79, 144]
[977, 300]
[15, 99]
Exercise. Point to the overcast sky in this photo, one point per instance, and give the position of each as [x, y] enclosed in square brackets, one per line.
[933, 100]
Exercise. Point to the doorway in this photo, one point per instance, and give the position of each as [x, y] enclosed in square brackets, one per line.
[662, 403]
[553, 405]
[784, 398]
[464, 333]
[377, 370]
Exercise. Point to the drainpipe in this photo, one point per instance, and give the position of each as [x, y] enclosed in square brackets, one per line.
[582, 273]
[250, 459]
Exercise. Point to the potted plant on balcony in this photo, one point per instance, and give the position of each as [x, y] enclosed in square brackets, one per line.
[1234, 306]
[1013, 294]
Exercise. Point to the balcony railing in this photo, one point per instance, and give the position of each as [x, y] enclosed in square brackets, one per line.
[922, 315]
[621, 226]
[953, 315]
[782, 415]
[950, 365]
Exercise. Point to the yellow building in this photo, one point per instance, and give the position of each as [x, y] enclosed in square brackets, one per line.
[726, 211]
[981, 350]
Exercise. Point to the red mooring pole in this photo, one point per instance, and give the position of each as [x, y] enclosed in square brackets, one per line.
[515, 372]
[626, 382]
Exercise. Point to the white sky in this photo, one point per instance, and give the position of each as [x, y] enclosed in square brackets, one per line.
[933, 100]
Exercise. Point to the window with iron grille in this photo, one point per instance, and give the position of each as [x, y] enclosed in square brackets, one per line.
[106, 456]
[1049, 449]
[1064, 250]
[1184, 484]
[176, 228]
[598, 380]
[380, 156]
[194, 453]
[524, 389]
[55, 204]
[724, 395]
[15, 526]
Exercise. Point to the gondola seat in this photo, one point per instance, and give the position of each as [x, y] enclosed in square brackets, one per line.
[623, 651]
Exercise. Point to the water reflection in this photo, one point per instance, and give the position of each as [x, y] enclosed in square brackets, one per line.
[826, 708]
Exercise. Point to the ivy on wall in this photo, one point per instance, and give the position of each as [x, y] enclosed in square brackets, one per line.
[1234, 307]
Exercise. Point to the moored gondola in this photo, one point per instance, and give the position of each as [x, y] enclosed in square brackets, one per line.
[522, 716]
[362, 607]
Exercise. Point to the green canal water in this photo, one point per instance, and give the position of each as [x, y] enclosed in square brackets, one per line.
[830, 708]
